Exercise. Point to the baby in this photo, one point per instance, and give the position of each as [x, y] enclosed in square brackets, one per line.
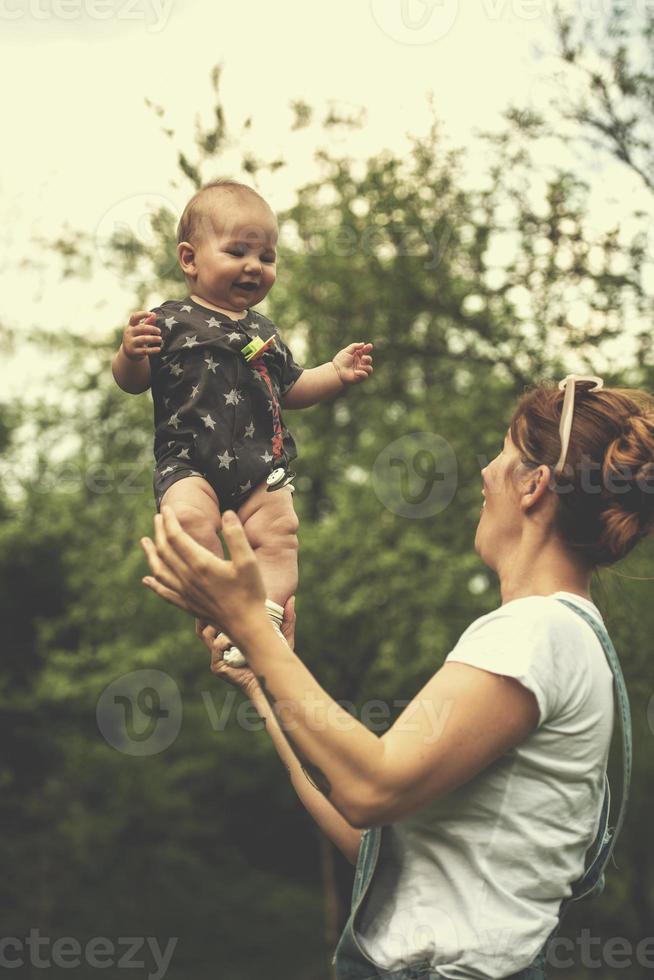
[220, 376]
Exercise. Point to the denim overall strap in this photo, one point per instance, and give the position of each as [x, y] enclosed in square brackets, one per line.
[591, 882]
[350, 960]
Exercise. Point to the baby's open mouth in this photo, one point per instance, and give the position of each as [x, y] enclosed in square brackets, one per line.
[248, 286]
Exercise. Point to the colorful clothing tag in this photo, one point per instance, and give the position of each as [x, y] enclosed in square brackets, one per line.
[256, 348]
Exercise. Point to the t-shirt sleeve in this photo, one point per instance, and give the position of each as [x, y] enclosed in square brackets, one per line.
[291, 370]
[518, 641]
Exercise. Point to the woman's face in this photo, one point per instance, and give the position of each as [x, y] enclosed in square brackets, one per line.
[500, 519]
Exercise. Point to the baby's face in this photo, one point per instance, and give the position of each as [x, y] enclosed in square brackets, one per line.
[234, 261]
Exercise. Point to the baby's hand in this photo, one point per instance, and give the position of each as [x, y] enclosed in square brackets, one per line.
[353, 363]
[141, 338]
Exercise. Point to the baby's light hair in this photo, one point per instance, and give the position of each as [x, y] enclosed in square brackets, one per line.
[194, 215]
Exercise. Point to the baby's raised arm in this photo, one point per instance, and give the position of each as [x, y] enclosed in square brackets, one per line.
[350, 366]
[130, 366]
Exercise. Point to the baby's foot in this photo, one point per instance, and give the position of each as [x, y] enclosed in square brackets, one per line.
[234, 658]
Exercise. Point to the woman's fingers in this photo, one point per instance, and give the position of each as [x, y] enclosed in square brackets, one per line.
[170, 595]
[288, 622]
[186, 557]
[167, 531]
[220, 643]
[200, 626]
[160, 569]
[215, 642]
[240, 550]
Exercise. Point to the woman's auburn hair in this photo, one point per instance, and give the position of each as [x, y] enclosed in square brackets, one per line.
[606, 487]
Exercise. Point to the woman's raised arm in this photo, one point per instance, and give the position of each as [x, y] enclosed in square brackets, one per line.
[369, 780]
[330, 821]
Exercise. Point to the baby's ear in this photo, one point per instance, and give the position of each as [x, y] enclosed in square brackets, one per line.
[186, 258]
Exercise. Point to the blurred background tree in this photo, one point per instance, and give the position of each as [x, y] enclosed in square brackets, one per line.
[466, 295]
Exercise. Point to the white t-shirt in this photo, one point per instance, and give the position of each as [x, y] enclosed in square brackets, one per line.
[473, 881]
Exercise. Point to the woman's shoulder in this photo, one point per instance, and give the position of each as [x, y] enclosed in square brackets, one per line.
[541, 642]
[553, 610]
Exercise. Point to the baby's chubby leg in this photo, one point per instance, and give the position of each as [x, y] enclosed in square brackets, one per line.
[269, 521]
[196, 507]
[270, 524]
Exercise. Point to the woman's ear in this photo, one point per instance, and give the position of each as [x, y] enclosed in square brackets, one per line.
[536, 483]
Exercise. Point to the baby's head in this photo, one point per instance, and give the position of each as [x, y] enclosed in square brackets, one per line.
[227, 245]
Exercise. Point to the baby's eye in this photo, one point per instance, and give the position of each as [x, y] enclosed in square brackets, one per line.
[269, 258]
[235, 251]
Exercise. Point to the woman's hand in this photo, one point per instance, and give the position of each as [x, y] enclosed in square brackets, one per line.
[241, 678]
[228, 593]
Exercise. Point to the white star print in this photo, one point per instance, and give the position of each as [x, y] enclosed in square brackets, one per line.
[208, 422]
[211, 364]
[169, 469]
[225, 459]
[191, 341]
[166, 402]
[183, 454]
[246, 486]
[175, 369]
[186, 309]
[233, 397]
[249, 432]
[195, 390]
[267, 457]
[212, 322]
[174, 420]
[233, 336]
[170, 322]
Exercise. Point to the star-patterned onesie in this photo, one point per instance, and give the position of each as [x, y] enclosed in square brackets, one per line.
[215, 414]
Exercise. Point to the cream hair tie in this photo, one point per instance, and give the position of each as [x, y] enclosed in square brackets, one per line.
[569, 384]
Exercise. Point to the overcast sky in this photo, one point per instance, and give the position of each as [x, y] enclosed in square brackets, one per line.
[83, 151]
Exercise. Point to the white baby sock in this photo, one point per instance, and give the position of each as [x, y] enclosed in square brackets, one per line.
[234, 658]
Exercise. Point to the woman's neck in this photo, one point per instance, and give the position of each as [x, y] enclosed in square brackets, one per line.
[551, 571]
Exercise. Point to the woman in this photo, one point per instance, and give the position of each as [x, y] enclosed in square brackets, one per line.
[482, 800]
